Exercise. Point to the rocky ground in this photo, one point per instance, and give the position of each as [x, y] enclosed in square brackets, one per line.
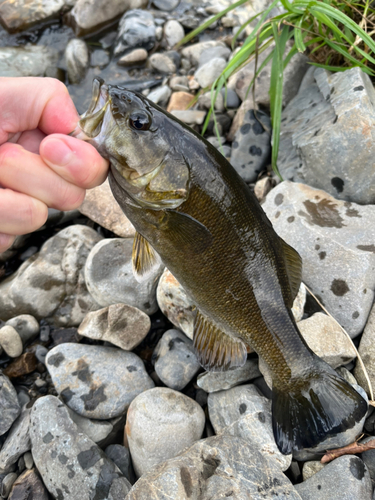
[101, 394]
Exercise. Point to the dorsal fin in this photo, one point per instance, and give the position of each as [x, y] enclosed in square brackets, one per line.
[217, 351]
[293, 268]
[144, 258]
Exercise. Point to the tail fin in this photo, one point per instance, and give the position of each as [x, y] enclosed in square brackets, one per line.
[314, 408]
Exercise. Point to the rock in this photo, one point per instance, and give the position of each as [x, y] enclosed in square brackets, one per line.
[173, 32]
[175, 304]
[17, 442]
[65, 335]
[213, 52]
[311, 468]
[344, 478]
[299, 303]
[213, 468]
[76, 59]
[136, 56]
[97, 381]
[338, 258]
[28, 486]
[366, 350]
[121, 457]
[243, 412]
[179, 84]
[7, 484]
[251, 147]
[162, 63]
[120, 324]
[231, 99]
[10, 341]
[193, 52]
[50, 285]
[220, 381]
[136, 31]
[28, 61]
[166, 4]
[369, 458]
[153, 417]
[160, 95]
[9, 406]
[23, 14]
[327, 136]
[110, 280]
[99, 58]
[26, 325]
[207, 74]
[175, 360]
[67, 459]
[28, 458]
[204, 101]
[190, 116]
[179, 101]
[41, 353]
[101, 207]
[96, 430]
[23, 365]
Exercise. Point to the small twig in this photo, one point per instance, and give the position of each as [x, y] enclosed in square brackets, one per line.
[350, 449]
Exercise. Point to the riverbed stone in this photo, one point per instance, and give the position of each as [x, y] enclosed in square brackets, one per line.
[122, 325]
[28, 486]
[28, 61]
[110, 280]
[153, 417]
[76, 59]
[17, 441]
[221, 381]
[136, 31]
[208, 72]
[179, 101]
[21, 15]
[193, 52]
[96, 381]
[160, 95]
[162, 63]
[190, 116]
[10, 341]
[120, 455]
[366, 350]
[97, 430]
[26, 325]
[68, 459]
[338, 255]
[166, 4]
[9, 405]
[136, 56]
[173, 32]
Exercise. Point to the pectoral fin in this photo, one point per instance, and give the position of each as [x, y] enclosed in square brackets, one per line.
[144, 258]
[186, 232]
[293, 268]
[217, 351]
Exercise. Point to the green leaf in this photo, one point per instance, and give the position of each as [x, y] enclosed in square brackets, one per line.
[298, 38]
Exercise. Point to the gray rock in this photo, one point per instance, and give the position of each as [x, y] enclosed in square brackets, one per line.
[96, 381]
[99, 58]
[190, 116]
[121, 457]
[153, 417]
[120, 324]
[166, 4]
[173, 32]
[299, 301]
[220, 381]
[243, 412]
[9, 406]
[231, 99]
[41, 353]
[324, 143]
[204, 101]
[28, 458]
[208, 72]
[76, 59]
[162, 63]
[160, 95]
[179, 83]
[17, 442]
[193, 52]
[366, 350]
[109, 276]
[346, 374]
[369, 458]
[338, 258]
[213, 468]
[96, 430]
[23, 14]
[176, 362]
[213, 52]
[28, 61]
[50, 285]
[251, 147]
[136, 56]
[67, 459]
[136, 31]
[7, 484]
[10, 341]
[26, 325]
[310, 468]
[28, 486]
[345, 478]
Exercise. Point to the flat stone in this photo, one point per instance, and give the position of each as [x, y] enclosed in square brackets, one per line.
[179, 101]
[193, 52]
[190, 116]
[207, 74]
[338, 255]
[96, 430]
[96, 381]
[136, 56]
[160, 95]
[28, 486]
[7, 484]
[9, 406]
[17, 442]
[77, 59]
[67, 459]
[173, 32]
[153, 417]
[204, 101]
[23, 365]
[136, 30]
[26, 325]
[21, 15]
[212, 52]
[162, 63]
[220, 381]
[28, 61]
[10, 341]
[120, 324]
[166, 4]
[366, 350]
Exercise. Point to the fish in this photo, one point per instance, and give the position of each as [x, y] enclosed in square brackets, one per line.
[195, 214]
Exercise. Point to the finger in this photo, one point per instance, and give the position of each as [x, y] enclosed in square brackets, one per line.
[31, 139]
[20, 214]
[6, 241]
[26, 173]
[30, 103]
[76, 161]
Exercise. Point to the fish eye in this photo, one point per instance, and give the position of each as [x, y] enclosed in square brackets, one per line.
[140, 121]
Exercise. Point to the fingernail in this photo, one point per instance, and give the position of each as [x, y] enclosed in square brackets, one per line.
[57, 152]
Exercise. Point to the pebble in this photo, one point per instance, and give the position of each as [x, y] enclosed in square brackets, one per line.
[28, 486]
[23, 365]
[26, 325]
[41, 353]
[67, 459]
[166, 4]
[220, 381]
[28, 458]
[173, 32]
[97, 430]
[7, 484]
[369, 458]
[136, 30]
[162, 63]
[179, 101]
[366, 350]
[28, 61]
[231, 99]
[99, 58]
[122, 325]
[17, 441]
[243, 412]
[76, 59]
[190, 116]
[175, 360]
[193, 52]
[109, 276]
[179, 84]
[207, 74]
[153, 417]
[310, 468]
[121, 457]
[214, 52]
[160, 95]
[97, 381]
[136, 56]
[10, 341]
[9, 405]
[204, 101]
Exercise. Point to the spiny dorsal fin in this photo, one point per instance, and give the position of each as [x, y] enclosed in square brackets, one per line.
[217, 351]
[144, 258]
[293, 268]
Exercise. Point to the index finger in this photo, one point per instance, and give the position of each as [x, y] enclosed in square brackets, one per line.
[29, 103]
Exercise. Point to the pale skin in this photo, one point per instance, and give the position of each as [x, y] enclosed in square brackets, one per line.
[40, 166]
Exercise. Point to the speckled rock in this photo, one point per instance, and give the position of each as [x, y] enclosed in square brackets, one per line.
[121, 457]
[96, 381]
[162, 63]
[366, 350]
[120, 324]
[110, 280]
[97, 430]
[345, 478]
[136, 30]
[21, 15]
[243, 412]
[173, 32]
[220, 381]
[50, 285]
[26, 325]
[369, 458]
[207, 74]
[17, 442]
[77, 59]
[28, 486]
[28, 61]
[213, 468]
[175, 360]
[67, 459]
[10, 341]
[9, 406]
[310, 468]
[153, 417]
[338, 255]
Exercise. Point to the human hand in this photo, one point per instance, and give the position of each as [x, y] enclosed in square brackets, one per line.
[40, 166]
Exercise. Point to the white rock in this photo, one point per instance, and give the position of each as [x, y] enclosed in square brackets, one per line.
[173, 32]
[10, 341]
[207, 74]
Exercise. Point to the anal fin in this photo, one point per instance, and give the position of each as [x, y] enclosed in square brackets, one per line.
[144, 258]
[217, 351]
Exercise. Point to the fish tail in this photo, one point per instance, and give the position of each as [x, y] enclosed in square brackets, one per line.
[314, 407]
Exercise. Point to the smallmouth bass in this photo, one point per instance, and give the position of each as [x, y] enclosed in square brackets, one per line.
[194, 212]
